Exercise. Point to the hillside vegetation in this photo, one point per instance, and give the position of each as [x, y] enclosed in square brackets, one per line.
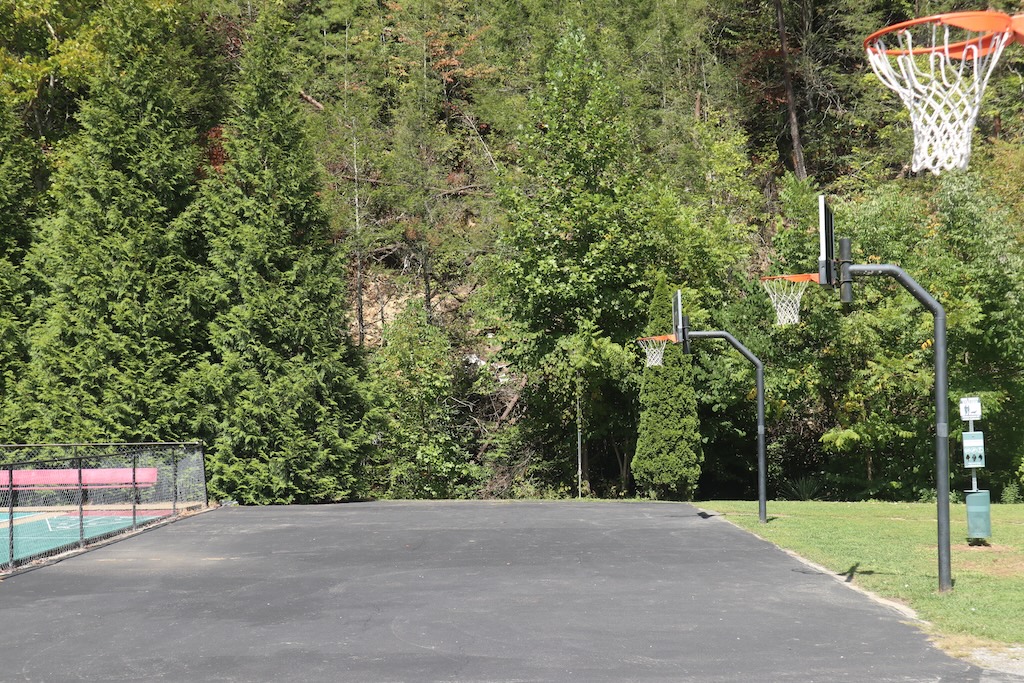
[403, 249]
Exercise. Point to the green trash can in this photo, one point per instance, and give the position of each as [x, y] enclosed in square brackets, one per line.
[979, 518]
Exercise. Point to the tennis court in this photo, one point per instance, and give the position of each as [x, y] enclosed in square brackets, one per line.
[42, 533]
[56, 498]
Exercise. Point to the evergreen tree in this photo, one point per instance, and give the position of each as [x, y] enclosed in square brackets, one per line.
[284, 397]
[115, 331]
[668, 455]
[18, 201]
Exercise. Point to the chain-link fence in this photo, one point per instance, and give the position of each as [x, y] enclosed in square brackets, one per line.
[59, 497]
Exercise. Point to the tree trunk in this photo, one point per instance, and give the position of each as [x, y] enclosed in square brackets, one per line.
[360, 319]
[427, 294]
[794, 129]
[622, 455]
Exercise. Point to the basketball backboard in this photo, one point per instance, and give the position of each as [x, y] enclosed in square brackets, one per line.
[827, 244]
[680, 322]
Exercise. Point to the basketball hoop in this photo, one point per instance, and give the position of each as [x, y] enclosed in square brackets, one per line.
[939, 66]
[654, 347]
[785, 291]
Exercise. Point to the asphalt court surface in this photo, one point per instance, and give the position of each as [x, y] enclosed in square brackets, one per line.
[454, 591]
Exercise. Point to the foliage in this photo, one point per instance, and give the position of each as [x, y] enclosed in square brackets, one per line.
[113, 331]
[1011, 494]
[668, 456]
[524, 169]
[421, 388]
[18, 202]
[581, 223]
[802, 488]
[569, 270]
[49, 52]
[593, 380]
[862, 378]
[281, 385]
[1020, 474]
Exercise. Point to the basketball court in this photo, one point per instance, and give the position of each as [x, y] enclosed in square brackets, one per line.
[518, 591]
[454, 591]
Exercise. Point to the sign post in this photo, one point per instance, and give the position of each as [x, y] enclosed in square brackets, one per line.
[970, 409]
[979, 520]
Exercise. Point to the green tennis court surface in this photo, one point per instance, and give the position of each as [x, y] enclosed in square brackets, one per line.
[49, 532]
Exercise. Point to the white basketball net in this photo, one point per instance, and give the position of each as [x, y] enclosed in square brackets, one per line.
[941, 89]
[655, 350]
[785, 296]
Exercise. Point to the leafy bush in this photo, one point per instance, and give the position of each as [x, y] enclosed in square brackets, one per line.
[802, 488]
[421, 448]
[1011, 493]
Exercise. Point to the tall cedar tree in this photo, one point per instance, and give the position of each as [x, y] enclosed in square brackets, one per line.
[114, 332]
[668, 455]
[17, 205]
[285, 397]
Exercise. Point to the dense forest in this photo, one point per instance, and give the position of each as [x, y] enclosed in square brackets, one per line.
[366, 249]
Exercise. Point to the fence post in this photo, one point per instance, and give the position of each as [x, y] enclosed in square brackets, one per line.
[174, 480]
[135, 489]
[10, 517]
[202, 461]
[81, 504]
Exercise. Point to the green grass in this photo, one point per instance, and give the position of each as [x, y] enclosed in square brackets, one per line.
[890, 549]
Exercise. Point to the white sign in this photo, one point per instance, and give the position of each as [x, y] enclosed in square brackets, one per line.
[970, 408]
[974, 449]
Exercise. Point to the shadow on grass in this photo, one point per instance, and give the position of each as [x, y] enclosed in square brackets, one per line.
[705, 514]
[854, 571]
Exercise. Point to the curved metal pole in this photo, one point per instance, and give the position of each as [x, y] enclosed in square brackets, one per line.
[762, 467]
[848, 270]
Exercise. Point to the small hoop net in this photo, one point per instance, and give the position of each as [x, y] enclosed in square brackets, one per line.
[785, 291]
[939, 66]
[654, 347]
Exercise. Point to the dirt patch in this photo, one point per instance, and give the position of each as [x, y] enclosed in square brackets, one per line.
[984, 653]
[1001, 569]
[1006, 659]
[993, 560]
[983, 548]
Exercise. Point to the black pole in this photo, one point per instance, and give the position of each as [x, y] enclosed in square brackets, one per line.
[174, 480]
[847, 271]
[135, 490]
[762, 466]
[202, 462]
[10, 516]
[845, 278]
[81, 506]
